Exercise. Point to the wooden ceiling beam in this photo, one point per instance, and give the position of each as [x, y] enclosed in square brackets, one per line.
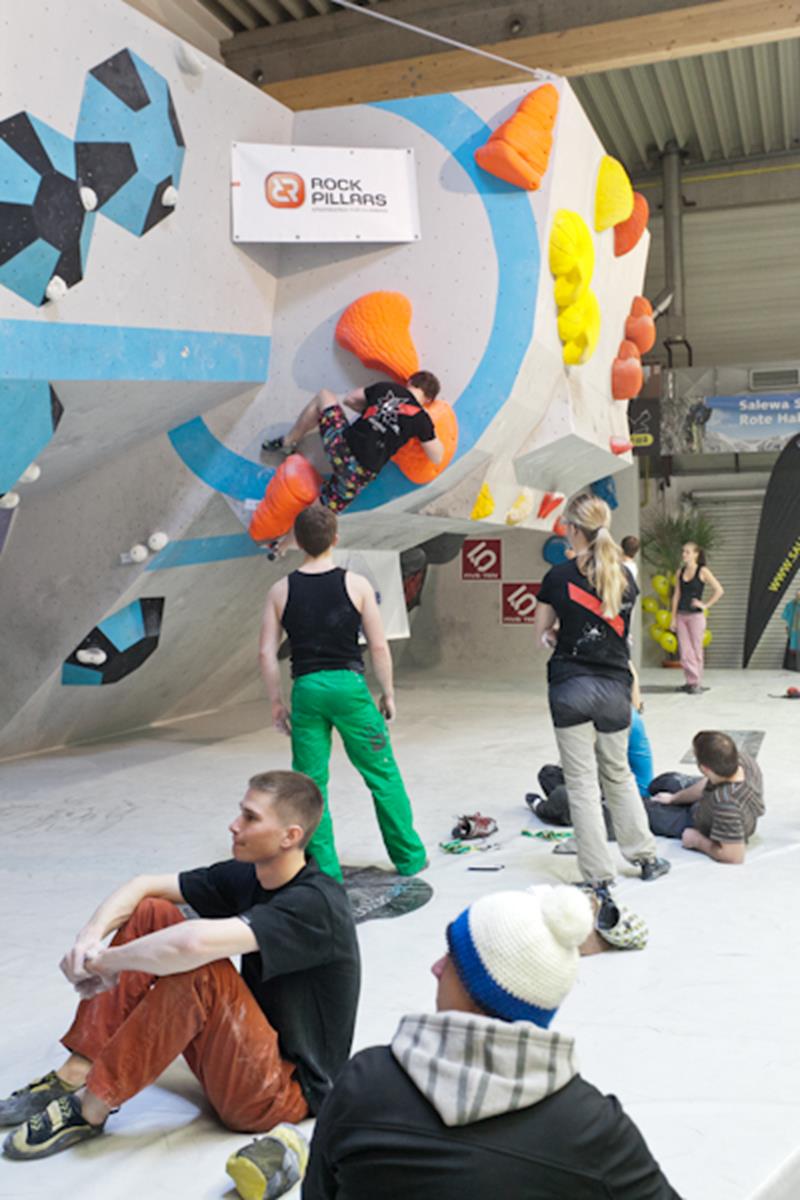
[700, 28]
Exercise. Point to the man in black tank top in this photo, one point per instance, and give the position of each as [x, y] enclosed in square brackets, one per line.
[323, 609]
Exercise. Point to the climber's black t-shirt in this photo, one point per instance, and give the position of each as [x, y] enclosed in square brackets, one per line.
[391, 418]
[588, 643]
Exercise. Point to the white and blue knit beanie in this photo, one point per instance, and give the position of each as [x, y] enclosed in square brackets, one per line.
[516, 953]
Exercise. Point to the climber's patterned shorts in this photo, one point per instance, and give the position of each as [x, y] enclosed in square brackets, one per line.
[349, 477]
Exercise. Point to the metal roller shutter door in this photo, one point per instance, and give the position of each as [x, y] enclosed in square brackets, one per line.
[736, 520]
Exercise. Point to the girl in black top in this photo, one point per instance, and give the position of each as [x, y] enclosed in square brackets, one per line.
[583, 613]
[689, 612]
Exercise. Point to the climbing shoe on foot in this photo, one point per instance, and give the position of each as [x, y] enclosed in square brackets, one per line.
[33, 1098]
[61, 1125]
[270, 1166]
[653, 868]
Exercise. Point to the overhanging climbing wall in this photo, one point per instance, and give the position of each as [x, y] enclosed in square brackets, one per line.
[126, 297]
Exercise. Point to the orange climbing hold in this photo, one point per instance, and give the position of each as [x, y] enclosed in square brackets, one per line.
[559, 528]
[620, 445]
[641, 331]
[519, 150]
[626, 372]
[412, 459]
[549, 504]
[377, 329]
[628, 233]
[292, 488]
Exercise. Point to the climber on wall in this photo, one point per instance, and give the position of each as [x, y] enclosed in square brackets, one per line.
[389, 416]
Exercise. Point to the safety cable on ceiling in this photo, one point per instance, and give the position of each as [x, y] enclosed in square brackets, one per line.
[440, 37]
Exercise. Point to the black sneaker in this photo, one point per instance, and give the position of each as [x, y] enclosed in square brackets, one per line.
[33, 1098]
[533, 800]
[61, 1125]
[653, 868]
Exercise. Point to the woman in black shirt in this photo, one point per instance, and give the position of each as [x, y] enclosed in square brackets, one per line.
[584, 610]
[689, 612]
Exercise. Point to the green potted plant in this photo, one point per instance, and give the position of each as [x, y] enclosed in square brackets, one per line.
[663, 537]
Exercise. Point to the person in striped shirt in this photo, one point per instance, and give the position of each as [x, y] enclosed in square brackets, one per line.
[719, 811]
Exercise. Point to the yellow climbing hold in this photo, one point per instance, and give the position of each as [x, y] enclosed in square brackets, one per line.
[521, 508]
[484, 504]
[579, 329]
[571, 256]
[613, 198]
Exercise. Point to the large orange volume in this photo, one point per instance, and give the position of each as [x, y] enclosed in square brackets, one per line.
[519, 149]
[292, 488]
[412, 459]
[377, 329]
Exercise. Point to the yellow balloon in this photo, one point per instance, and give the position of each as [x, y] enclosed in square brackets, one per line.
[673, 578]
[660, 585]
[655, 632]
[708, 637]
[664, 618]
[669, 642]
[650, 604]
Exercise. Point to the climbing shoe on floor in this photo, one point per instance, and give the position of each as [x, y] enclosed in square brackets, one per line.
[33, 1098]
[61, 1125]
[270, 1166]
[653, 868]
[472, 826]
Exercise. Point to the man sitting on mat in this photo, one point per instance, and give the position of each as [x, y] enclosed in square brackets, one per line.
[265, 1045]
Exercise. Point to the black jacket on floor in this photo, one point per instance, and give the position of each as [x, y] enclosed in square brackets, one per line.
[378, 1138]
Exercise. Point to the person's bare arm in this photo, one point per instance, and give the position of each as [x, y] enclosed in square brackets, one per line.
[717, 590]
[687, 795]
[377, 644]
[181, 947]
[268, 654]
[434, 450]
[676, 595]
[545, 619]
[112, 913]
[731, 853]
[355, 400]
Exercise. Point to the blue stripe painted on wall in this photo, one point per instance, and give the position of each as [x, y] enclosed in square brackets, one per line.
[216, 465]
[460, 130]
[124, 628]
[192, 552]
[41, 350]
[73, 675]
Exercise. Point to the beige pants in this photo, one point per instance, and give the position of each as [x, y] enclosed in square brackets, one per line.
[585, 753]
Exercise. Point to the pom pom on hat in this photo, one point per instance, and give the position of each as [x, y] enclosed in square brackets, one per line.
[516, 953]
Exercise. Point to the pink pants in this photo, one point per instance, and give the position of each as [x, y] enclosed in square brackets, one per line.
[691, 627]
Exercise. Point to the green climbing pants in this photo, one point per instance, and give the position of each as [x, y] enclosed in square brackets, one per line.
[326, 700]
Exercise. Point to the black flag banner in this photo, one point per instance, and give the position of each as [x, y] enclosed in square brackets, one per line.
[777, 555]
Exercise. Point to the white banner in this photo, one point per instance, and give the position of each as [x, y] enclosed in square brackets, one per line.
[323, 194]
[382, 569]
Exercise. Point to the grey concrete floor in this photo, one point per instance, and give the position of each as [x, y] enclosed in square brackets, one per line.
[697, 1035]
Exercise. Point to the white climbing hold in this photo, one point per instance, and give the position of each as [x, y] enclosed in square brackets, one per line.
[136, 554]
[169, 196]
[56, 289]
[91, 656]
[88, 198]
[157, 541]
[9, 500]
[189, 60]
[31, 473]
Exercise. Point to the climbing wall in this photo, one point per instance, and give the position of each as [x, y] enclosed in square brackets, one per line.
[144, 354]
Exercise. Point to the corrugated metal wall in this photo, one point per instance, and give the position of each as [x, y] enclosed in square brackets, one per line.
[742, 283]
[736, 521]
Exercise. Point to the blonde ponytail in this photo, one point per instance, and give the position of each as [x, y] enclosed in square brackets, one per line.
[604, 560]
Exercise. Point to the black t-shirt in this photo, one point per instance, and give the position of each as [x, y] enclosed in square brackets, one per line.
[305, 974]
[588, 643]
[391, 418]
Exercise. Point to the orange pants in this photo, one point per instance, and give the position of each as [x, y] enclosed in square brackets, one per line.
[133, 1032]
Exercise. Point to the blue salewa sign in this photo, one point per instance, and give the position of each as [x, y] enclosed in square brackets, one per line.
[751, 422]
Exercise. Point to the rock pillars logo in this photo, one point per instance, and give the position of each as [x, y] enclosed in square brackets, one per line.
[284, 189]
